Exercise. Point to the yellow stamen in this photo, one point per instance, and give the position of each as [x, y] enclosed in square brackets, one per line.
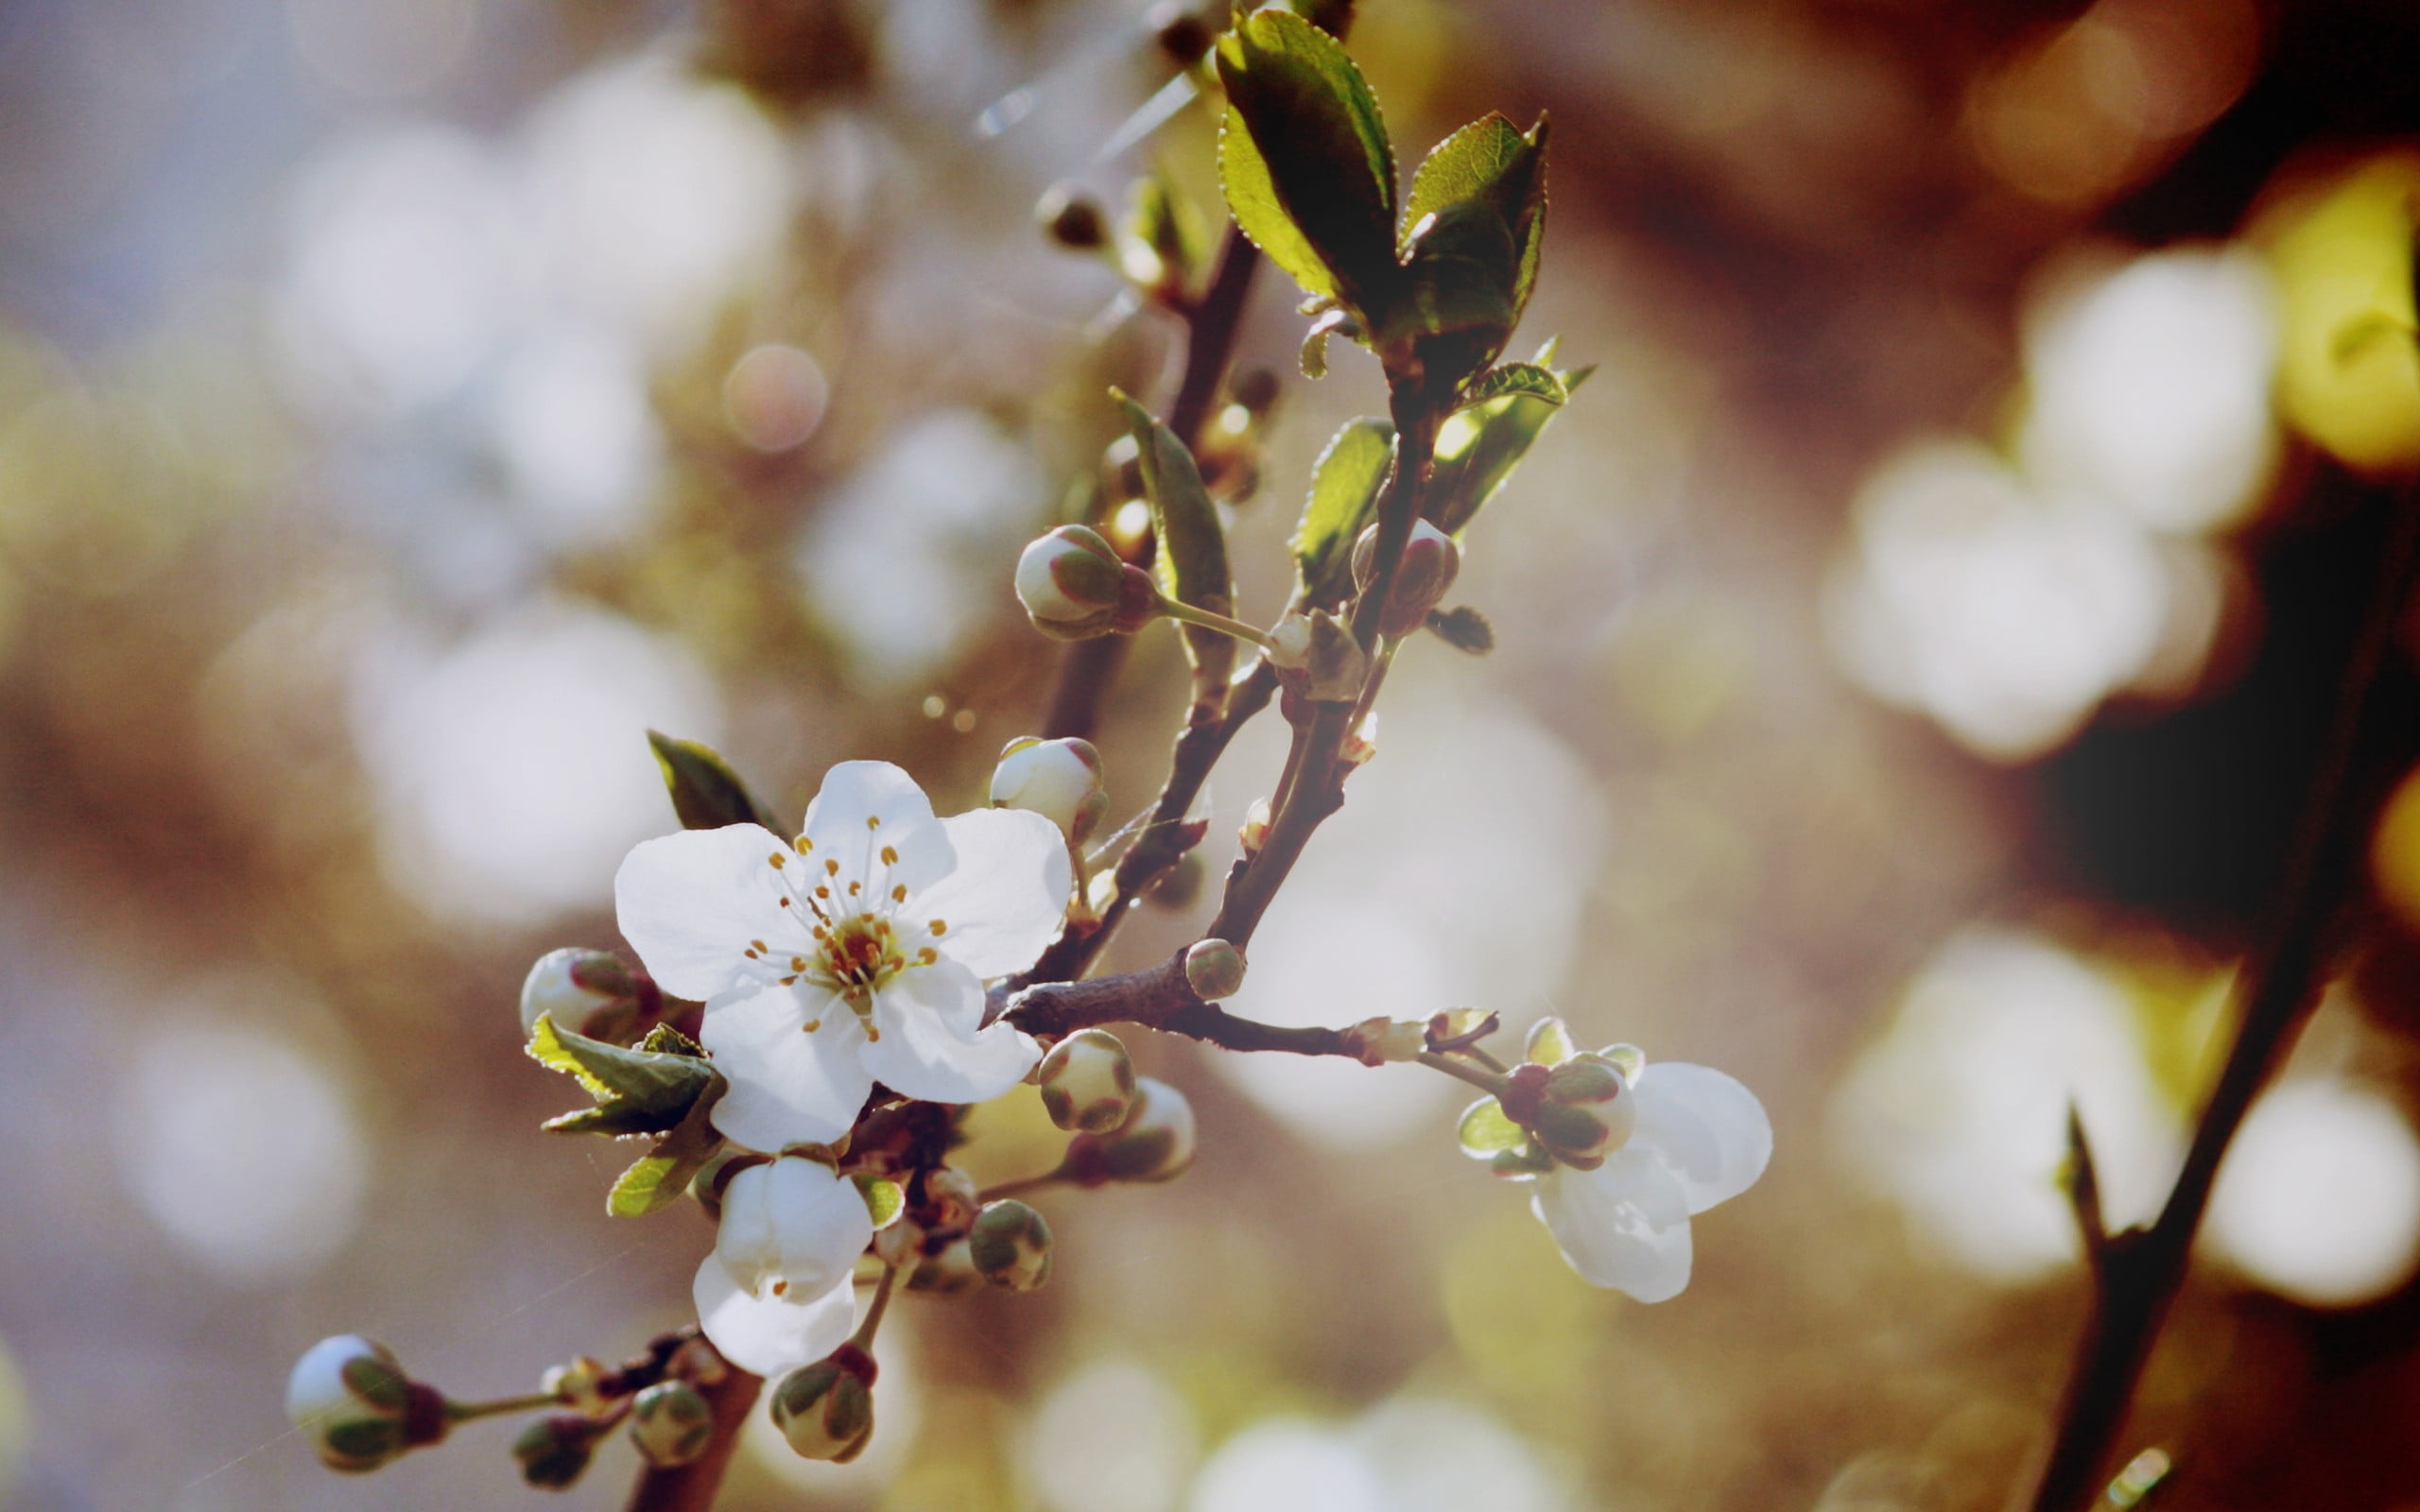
[940, 925]
[890, 856]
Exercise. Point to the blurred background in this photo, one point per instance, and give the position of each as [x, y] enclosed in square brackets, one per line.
[1912, 645]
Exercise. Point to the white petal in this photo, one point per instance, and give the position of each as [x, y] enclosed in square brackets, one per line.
[930, 1047]
[855, 792]
[1704, 1128]
[787, 1087]
[773, 1337]
[1624, 1225]
[795, 1224]
[690, 902]
[1008, 894]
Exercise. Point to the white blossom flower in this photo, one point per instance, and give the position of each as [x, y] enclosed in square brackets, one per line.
[855, 953]
[775, 1294]
[1699, 1137]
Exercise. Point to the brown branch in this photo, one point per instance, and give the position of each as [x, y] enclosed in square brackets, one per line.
[1159, 998]
[1318, 741]
[2139, 1272]
[691, 1488]
[1090, 668]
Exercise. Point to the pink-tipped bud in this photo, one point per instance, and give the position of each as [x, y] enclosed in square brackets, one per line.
[1430, 561]
[1075, 586]
[1060, 779]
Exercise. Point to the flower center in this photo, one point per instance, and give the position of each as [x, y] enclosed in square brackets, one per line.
[852, 954]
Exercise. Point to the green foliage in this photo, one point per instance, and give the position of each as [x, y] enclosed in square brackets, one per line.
[1485, 1131]
[706, 793]
[1305, 160]
[1500, 171]
[1193, 544]
[647, 1090]
[1526, 379]
[1481, 445]
[1344, 492]
[662, 1175]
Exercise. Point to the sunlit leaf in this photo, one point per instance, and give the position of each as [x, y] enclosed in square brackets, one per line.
[664, 1173]
[647, 1089]
[706, 793]
[1304, 158]
[1193, 542]
[1344, 490]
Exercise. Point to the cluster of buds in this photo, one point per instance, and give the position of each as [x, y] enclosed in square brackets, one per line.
[1075, 586]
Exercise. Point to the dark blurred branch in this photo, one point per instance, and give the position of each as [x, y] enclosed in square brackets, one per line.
[2136, 1273]
[1090, 668]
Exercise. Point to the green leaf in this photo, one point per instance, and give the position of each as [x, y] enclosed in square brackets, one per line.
[1344, 490]
[1479, 447]
[706, 793]
[1473, 226]
[1305, 160]
[885, 1201]
[663, 1173]
[1193, 544]
[1525, 378]
[1485, 1130]
[643, 1091]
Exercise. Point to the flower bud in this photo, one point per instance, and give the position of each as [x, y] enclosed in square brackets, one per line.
[577, 1385]
[1289, 642]
[1060, 779]
[1253, 832]
[951, 1198]
[554, 1451]
[946, 1273]
[671, 1422]
[1074, 586]
[1336, 665]
[350, 1395]
[1430, 561]
[578, 988]
[1214, 969]
[1010, 1246]
[1385, 1041]
[1087, 1082]
[1072, 218]
[826, 1409]
[1584, 1111]
[1155, 1143]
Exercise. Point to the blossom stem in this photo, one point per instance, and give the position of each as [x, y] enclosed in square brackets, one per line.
[863, 1338]
[1212, 619]
[1021, 1186]
[2139, 1271]
[1485, 1081]
[463, 1412]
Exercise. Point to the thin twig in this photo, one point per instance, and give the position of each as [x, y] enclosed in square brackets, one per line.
[1317, 790]
[1090, 668]
[1159, 997]
[2141, 1270]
